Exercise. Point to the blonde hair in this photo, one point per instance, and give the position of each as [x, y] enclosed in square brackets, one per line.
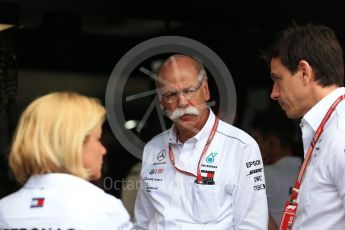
[50, 135]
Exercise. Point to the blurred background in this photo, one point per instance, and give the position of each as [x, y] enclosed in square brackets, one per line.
[54, 45]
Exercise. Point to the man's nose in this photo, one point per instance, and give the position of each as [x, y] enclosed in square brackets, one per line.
[182, 100]
[274, 92]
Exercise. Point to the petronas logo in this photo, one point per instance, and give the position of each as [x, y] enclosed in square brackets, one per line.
[210, 158]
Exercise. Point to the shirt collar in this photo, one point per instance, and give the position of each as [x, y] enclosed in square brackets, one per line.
[205, 131]
[172, 137]
[315, 115]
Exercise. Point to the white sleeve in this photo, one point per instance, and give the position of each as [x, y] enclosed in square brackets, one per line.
[337, 167]
[143, 209]
[250, 201]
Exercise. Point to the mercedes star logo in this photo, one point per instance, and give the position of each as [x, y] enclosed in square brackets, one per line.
[161, 155]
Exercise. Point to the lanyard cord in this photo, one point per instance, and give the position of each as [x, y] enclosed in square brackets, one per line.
[209, 140]
[316, 137]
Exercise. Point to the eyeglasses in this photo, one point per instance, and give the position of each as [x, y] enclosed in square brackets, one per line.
[188, 93]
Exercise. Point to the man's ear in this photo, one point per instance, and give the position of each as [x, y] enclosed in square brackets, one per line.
[161, 103]
[206, 91]
[307, 71]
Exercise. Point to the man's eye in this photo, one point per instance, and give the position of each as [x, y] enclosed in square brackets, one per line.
[170, 95]
[189, 91]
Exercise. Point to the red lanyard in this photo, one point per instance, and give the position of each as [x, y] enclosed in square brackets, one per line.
[316, 137]
[209, 140]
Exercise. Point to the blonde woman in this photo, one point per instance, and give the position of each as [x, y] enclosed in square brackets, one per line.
[55, 152]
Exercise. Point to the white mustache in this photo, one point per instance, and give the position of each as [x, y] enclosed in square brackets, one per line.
[179, 112]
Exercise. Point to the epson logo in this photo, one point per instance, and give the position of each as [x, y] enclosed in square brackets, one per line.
[253, 163]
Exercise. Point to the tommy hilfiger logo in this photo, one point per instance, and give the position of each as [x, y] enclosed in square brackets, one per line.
[37, 202]
[208, 179]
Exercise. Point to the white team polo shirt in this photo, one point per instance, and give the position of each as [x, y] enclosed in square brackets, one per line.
[61, 202]
[322, 195]
[168, 199]
[280, 178]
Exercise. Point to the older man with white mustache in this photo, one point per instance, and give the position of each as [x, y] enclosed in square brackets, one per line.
[202, 173]
[179, 112]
